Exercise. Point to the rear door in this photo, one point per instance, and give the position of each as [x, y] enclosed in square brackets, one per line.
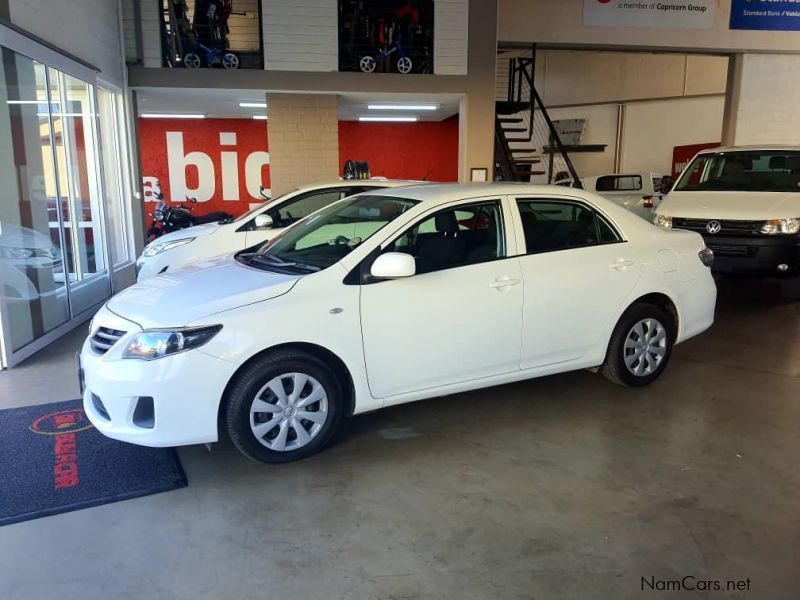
[577, 271]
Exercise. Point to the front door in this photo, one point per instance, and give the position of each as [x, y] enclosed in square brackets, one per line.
[459, 317]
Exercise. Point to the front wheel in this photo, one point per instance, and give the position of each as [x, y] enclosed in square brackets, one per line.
[367, 64]
[283, 407]
[640, 346]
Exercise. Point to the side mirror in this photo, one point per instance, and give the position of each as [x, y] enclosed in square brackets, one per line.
[263, 222]
[393, 265]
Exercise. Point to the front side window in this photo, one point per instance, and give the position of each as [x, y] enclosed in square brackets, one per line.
[299, 208]
[750, 171]
[455, 237]
[619, 183]
[561, 225]
[328, 236]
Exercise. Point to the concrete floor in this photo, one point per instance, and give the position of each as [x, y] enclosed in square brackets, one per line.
[562, 487]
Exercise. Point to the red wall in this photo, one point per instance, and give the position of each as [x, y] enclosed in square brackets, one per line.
[402, 150]
[395, 150]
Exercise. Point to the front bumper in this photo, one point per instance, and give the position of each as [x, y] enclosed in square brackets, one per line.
[758, 256]
[172, 401]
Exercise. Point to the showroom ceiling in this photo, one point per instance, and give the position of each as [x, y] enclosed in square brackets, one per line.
[229, 104]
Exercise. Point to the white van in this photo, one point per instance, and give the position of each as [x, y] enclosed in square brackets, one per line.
[745, 201]
[640, 193]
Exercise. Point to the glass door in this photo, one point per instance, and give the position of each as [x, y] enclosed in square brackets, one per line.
[54, 265]
[32, 274]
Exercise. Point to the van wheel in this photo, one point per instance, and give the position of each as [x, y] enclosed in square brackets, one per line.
[283, 407]
[790, 288]
[640, 346]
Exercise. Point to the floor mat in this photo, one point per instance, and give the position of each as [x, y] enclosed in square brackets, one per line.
[52, 460]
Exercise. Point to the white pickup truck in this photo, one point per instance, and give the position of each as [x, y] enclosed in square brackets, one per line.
[640, 193]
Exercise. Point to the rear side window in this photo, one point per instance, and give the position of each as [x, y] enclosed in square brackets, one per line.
[619, 183]
[301, 207]
[551, 225]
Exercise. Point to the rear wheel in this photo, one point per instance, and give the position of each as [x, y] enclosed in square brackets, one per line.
[230, 61]
[790, 288]
[367, 64]
[640, 346]
[283, 407]
[192, 61]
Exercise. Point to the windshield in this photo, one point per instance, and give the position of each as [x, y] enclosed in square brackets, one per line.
[325, 237]
[751, 171]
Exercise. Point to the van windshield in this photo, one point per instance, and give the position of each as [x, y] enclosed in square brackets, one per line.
[743, 171]
[325, 237]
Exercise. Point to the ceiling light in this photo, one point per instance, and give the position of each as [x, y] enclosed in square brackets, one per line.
[31, 102]
[260, 117]
[172, 116]
[389, 119]
[402, 106]
[253, 104]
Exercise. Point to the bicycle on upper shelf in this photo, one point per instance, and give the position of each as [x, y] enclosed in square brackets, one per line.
[404, 63]
[212, 55]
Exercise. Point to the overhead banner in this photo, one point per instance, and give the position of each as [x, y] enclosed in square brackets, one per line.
[697, 14]
[769, 15]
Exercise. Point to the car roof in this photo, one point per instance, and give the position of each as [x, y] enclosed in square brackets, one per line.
[377, 182]
[753, 148]
[441, 193]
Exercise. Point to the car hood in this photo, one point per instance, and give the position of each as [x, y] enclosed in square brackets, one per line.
[731, 205]
[194, 231]
[22, 237]
[196, 291]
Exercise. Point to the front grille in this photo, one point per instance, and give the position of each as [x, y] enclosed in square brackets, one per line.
[733, 250]
[729, 227]
[100, 407]
[104, 338]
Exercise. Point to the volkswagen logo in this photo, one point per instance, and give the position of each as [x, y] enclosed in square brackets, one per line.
[713, 227]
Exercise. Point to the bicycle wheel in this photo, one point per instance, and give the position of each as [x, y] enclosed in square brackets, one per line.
[404, 65]
[230, 61]
[192, 61]
[368, 64]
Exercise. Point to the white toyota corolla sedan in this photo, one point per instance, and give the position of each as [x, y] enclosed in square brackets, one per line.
[178, 248]
[389, 297]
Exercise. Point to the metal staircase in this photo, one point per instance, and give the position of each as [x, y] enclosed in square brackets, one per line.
[527, 145]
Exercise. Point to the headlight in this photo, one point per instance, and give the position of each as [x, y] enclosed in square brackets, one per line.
[781, 227]
[159, 247]
[157, 343]
[663, 221]
[14, 252]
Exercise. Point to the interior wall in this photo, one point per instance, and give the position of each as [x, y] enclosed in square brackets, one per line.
[561, 22]
[620, 76]
[87, 29]
[651, 130]
[415, 151]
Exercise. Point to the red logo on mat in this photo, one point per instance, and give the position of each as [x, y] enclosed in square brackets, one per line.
[64, 426]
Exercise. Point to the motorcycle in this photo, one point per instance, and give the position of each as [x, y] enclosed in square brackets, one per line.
[167, 219]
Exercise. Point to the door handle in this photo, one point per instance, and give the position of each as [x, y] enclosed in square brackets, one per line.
[622, 263]
[504, 282]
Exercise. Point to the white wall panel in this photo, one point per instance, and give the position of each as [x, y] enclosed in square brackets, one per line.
[301, 36]
[450, 37]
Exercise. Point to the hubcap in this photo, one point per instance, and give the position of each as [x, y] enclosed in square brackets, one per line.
[645, 347]
[288, 412]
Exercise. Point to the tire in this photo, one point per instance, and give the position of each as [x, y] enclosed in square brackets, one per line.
[192, 61]
[230, 61]
[404, 65]
[367, 64]
[622, 365]
[257, 434]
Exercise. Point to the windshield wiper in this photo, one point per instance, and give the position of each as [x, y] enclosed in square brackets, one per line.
[266, 259]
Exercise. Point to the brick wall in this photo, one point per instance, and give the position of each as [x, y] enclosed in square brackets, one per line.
[303, 138]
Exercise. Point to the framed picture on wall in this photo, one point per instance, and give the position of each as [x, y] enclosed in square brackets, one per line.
[386, 36]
